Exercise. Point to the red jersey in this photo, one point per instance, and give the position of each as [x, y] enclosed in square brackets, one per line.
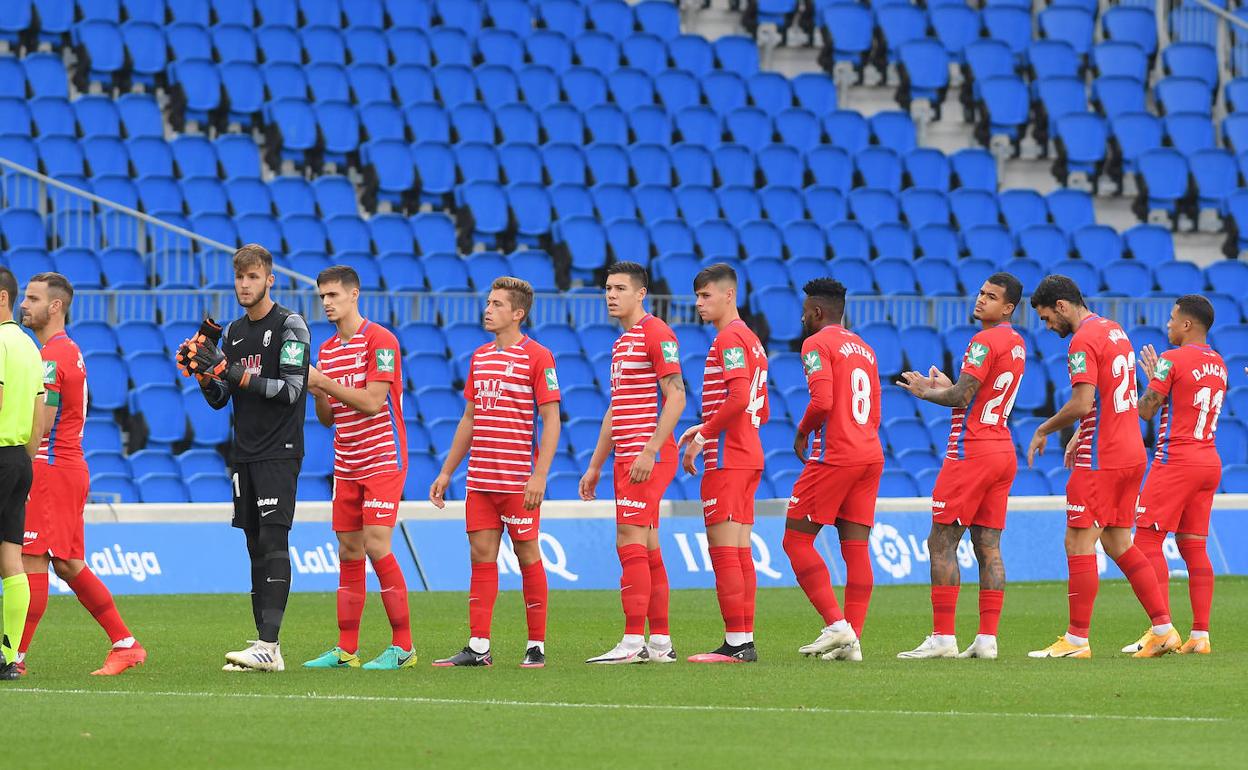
[65, 379]
[1193, 380]
[366, 445]
[504, 386]
[1109, 436]
[996, 357]
[848, 431]
[642, 356]
[735, 354]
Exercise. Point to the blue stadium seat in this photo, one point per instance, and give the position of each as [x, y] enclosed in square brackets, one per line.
[782, 204]
[1183, 94]
[1164, 173]
[1097, 244]
[1072, 25]
[1195, 60]
[1126, 59]
[956, 27]
[850, 31]
[1114, 95]
[897, 483]
[1127, 278]
[1131, 24]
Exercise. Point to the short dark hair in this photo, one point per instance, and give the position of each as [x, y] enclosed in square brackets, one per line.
[8, 282]
[828, 291]
[1197, 308]
[343, 274]
[1013, 287]
[633, 270]
[1055, 287]
[714, 274]
[253, 254]
[57, 284]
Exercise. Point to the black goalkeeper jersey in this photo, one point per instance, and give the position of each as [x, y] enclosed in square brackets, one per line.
[269, 411]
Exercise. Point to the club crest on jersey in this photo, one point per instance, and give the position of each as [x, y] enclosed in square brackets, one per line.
[976, 354]
[734, 358]
[49, 372]
[385, 360]
[1078, 363]
[812, 362]
[671, 352]
[552, 381]
[488, 393]
[292, 353]
[268, 337]
[1018, 353]
[1163, 369]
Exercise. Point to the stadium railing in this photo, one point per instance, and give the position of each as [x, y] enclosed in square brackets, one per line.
[1202, 20]
[69, 217]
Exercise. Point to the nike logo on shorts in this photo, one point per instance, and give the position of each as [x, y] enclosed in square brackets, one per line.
[266, 513]
[522, 531]
[384, 515]
[630, 514]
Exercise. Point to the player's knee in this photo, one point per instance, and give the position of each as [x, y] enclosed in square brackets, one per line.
[528, 552]
[273, 541]
[377, 550]
[68, 569]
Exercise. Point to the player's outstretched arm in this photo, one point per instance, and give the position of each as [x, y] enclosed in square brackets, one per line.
[1076, 408]
[535, 489]
[589, 480]
[459, 448]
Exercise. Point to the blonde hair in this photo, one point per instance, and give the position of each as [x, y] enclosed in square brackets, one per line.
[253, 254]
[519, 292]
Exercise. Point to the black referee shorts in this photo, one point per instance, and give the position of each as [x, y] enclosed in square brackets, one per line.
[15, 479]
[264, 493]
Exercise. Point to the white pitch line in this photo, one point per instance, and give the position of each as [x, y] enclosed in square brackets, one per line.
[610, 706]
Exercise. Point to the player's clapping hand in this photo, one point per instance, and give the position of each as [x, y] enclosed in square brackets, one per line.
[799, 445]
[1148, 360]
[1071, 446]
[316, 381]
[915, 383]
[690, 437]
[534, 491]
[639, 472]
[937, 379]
[1036, 447]
[588, 486]
[437, 491]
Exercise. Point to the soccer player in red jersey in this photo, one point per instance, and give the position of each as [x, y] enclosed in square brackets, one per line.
[645, 371]
[973, 488]
[734, 405]
[841, 479]
[1107, 455]
[506, 379]
[358, 389]
[1188, 385]
[54, 528]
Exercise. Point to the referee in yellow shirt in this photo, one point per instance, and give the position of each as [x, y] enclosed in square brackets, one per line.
[21, 426]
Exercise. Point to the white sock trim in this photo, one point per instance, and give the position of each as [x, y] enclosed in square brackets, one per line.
[479, 644]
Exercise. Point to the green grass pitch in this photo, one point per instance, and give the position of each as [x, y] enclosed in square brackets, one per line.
[181, 710]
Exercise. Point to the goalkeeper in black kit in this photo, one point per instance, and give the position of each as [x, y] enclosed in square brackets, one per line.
[260, 361]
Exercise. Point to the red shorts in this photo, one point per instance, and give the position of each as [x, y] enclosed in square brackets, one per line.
[373, 501]
[1178, 498]
[1103, 498]
[638, 504]
[826, 494]
[493, 510]
[975, 492]
[728, 495]
[54, 512]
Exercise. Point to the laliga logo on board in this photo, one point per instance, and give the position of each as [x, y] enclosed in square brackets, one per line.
[137, 565]
[890, 550]
[319, 560]
[554, 558]
[701, 548]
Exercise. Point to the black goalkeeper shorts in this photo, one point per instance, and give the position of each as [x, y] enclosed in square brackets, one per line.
[264, 493]
[16, 476]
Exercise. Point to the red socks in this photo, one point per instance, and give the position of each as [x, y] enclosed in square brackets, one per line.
[1199, 581]
[482, 591]
[1150, 541]
[944, 609]
[38, 605]
[394, 598]
[98, 601]
[656, 611]
[859, 581]
[812, 574]
[350, 603]
[990, 602]
[1144, 582]
[749, 586]
[1081, 592]
[634, 586]
[729, 587]
[534, 577]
